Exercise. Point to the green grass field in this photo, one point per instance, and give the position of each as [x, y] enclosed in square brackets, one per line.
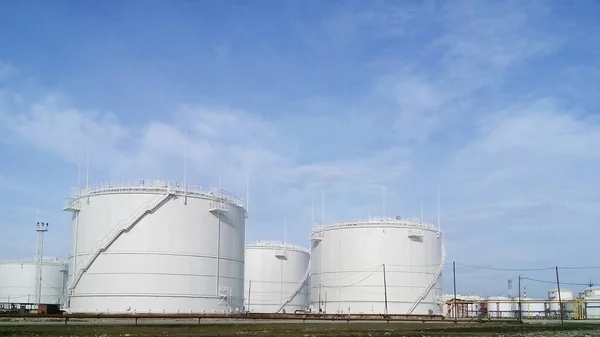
[304, 330]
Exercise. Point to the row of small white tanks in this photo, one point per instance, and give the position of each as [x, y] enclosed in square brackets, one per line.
[159, 247]
[585, 305]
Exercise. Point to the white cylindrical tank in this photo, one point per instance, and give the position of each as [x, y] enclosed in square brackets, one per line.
[531, 307]
[474, 307]
[156, 247]
[467, 305]
[276, 277]
[591, 291]
[500, 306]
[354, 265]
[18, 281]
[566, 297]
[592, 302]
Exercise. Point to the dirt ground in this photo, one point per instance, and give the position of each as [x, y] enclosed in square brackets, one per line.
[304, 330]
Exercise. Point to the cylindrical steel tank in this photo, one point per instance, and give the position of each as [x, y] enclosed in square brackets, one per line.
[500, 306]
[531, 307]
[18, 281]
[362, 267]
[276, 277]
[592, 302]
[474, 307]
[156, 247]
[466, 305]
[566, 297]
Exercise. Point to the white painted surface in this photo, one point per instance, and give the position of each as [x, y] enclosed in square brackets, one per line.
[566, 297]
[500, 306]
[591, 291]
[17, 281]
[167, 262]
[532, 307]
[347, 267]
[473, 309]
[273, 271]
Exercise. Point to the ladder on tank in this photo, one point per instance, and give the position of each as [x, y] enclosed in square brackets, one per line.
[435, 279]
[122, 227]
[297, 290]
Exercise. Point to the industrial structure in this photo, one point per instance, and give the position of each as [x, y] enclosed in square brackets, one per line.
[156, 247]
[276, 277]
[386, 266]
[18, 283]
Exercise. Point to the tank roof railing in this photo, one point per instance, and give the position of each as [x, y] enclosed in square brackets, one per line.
[277, 244]
[156, 186]
[45, 260]
[409, 222]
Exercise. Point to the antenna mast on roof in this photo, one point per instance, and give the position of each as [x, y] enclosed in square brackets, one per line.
[87, 167]
[422, 221]
[322, 207]
[383, 200]
[438, 209]
[285, 229]
[185, 167]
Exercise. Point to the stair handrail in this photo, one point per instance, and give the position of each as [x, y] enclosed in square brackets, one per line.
[435, 279]
[297, 290]
[121, 227]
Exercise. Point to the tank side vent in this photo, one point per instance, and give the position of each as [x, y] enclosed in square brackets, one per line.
[72, 205]
[122, 227]
[219, 206]
[317, 235]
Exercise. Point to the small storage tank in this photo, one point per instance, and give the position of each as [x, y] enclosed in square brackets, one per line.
[531, 307]
[566, 296]
[276, 277]
[156, 247]
[500, 307]
[18, 282]
[355, 264]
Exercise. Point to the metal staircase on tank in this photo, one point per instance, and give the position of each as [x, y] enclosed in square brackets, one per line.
[435, 279]
[122, 227]
[297, 290]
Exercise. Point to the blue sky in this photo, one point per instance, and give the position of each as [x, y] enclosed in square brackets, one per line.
[498, 102]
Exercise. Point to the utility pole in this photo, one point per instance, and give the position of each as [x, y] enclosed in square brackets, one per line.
[41, 228]
[520, 314]
[385, 290]
[560, 304]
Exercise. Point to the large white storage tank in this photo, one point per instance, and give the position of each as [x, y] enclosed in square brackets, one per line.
[531, 307]
[500, 306]
[18, 282]
[354, 265]
[592, 302]
[156, 247]
[276, 277]
[566, 297]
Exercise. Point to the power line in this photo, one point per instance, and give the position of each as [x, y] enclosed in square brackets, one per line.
[504, 269]
[553, 282]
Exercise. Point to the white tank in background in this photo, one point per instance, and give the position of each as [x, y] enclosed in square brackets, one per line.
[500, 307]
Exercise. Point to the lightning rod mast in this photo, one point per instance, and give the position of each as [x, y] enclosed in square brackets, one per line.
[40, 228]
